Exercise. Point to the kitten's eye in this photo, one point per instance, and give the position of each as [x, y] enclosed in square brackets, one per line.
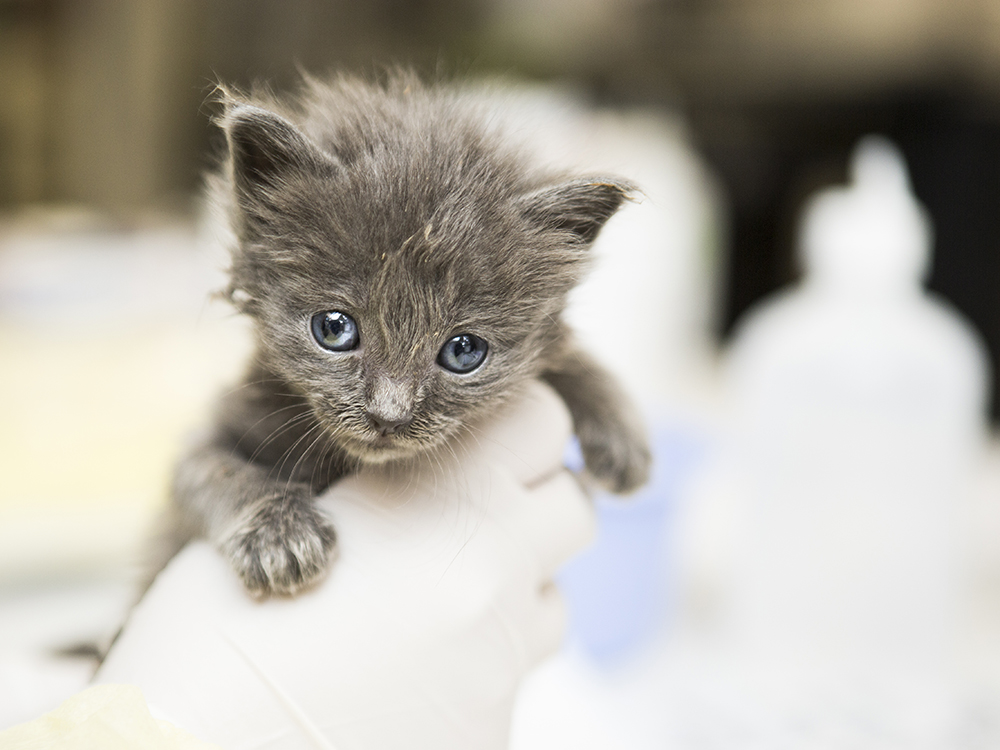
[335, 331]
[462, 353]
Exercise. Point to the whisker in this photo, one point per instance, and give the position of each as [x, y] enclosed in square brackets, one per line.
[269, 415]
[278, 432]
[302, 457]
[280, 466]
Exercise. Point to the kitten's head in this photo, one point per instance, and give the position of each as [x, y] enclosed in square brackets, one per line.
[405, 271]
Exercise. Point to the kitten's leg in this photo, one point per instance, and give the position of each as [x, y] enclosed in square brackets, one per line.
[249, 489]
[609, 429]
[268, 528]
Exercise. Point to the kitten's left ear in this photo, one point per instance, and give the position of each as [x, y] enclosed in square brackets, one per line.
[579, 207]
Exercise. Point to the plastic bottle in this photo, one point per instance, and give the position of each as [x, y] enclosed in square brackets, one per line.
[860, 407]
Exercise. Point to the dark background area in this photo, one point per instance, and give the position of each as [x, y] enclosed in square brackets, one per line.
[103, 102]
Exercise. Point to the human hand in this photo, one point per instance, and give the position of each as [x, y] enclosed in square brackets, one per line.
[439, 602]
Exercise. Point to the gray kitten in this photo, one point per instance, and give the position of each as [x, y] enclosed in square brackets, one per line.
[405, 271]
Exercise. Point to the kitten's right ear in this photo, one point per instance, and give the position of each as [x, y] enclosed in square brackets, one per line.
[579, 208]
[267, 150]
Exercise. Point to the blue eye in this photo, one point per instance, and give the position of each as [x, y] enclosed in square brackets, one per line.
[335, 331]
[462, 353]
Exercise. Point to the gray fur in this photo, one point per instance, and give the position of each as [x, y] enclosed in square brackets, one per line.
[399, 205]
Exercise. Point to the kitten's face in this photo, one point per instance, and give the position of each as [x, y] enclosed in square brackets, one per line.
[405, 290]
[399, 341]
[389, 378]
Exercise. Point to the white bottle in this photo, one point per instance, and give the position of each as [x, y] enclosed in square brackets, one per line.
[860, 408]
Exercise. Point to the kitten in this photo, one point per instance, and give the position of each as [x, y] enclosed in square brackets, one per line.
[404, 270]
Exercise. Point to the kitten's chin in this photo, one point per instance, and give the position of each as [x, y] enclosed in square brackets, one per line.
[380, 455]
[382, 451]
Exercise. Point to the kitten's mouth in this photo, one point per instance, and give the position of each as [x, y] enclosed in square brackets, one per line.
[367, 445]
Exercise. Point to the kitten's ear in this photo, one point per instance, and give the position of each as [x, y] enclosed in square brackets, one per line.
[579, 207]
[266, 149]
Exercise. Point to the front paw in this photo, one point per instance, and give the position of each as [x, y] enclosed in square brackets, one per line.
[617, 457]
[281, 545]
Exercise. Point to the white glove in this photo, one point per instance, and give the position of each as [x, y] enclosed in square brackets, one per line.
[438, 603]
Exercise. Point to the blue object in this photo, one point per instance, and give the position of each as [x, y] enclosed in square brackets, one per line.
[619, 590]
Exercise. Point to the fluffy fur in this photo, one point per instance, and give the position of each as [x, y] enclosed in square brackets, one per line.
[400, 205]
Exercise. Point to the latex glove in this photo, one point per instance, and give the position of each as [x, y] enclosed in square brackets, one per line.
[439, 602]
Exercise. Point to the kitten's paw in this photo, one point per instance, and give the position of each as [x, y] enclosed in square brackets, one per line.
[281, 546]
[617, 458]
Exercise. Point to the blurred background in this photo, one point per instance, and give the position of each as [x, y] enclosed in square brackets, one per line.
[102, 102]
[731, 112]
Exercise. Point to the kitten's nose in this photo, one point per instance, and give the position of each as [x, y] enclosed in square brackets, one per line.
[388, 425]
[390, 404]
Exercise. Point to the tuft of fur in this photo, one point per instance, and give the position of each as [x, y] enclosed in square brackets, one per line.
[401, 205]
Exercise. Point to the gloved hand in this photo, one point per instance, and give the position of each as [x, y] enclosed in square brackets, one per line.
[438, 603]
